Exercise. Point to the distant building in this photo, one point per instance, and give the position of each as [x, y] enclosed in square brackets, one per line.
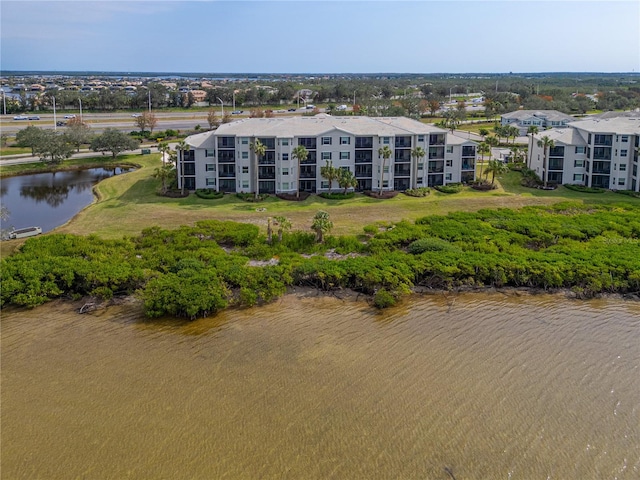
[223, 159]
[596, 153]
[543, 119]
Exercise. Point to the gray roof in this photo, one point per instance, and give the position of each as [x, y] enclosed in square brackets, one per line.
[551, 115]
[566, 136]
[631, 114]
[287, 127]
[615, 126]
[459, 139]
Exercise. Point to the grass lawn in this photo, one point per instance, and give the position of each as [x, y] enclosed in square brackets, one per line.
[128, 203]
[14, 150]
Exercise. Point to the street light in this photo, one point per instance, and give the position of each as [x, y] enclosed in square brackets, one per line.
[149, 91]
[234, 100]
[55, 124]
[221, 103]
[80, 100]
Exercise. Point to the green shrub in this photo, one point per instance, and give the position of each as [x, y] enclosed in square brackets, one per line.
[449, 188]
[429, 244]
[630, 193]
[384, 299]
[209, 193]
[418, 192]
[337, 196]
[251, 197]
[584, 189]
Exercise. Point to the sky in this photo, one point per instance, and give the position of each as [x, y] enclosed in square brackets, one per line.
[327, 36]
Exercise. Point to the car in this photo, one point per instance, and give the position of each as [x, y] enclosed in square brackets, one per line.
[136, 115]
[69, 116]
[291, 110]
[237, 112]
[34, 117]
[341, 108]
[21, 117]
[310, 107]
[60, 123]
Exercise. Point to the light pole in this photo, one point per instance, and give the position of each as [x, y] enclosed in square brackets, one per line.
[55, 124]
[149, 91]
[4, 102]
[234, 100]
[354, 97]
[221, 103]
[80, 100]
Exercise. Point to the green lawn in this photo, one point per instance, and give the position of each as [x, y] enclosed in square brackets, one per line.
[4, 151]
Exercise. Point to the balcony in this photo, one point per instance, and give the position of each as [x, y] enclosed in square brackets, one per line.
[556, 164]
[437, 139]
[606, 140]
[468, 165]
[436, 152]
[402, 155]
[307, 172]
[227, 174]
[267, 173]
[364, 156]
[363, 171]
[226, 156]
[402, 170]
[601, 168]
[469, 151]
[403, 142]
[307, 142]
[364, 142]
[436, 167]
[226, 142]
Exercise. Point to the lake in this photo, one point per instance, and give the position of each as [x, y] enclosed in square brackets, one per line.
[486, 385]
[48, 200]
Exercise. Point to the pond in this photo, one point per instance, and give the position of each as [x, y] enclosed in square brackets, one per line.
[48, 200]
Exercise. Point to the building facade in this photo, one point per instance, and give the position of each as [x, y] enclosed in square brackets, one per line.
[224, 160]
[543, 119]
[595, 153]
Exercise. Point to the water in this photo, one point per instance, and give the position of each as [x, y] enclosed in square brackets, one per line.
[491, 386]
[48, 200]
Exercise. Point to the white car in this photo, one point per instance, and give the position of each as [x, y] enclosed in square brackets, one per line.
[136, 115]
[69, 116]
[341, 108]
[20, 117]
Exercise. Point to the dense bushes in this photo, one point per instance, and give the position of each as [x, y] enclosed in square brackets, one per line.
[584, 189]
[209, 193]
[418, 192]
[337, 195]
[449, 188]
[199, 270]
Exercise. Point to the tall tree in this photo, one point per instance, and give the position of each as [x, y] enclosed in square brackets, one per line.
[384, 153]
[531, 132]
[212, 119]
[330, 173]
[483, 149]
[301, 154]
[30, 137]
[113, 141]
[53, 147]
[346, 179]
[417, 153]
[78, 132]
[545, 143]
[259, 150]
[495, 167]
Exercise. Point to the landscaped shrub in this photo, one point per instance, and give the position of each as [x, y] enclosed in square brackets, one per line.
[337, 196]
[584, 189]
[429, 244]
[630, 193]
[418, 192]
[209, 193]
[251, 197]
[449, 188]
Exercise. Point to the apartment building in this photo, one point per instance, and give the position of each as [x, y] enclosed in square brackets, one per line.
[595, 153]
[224, 160]
[543, 119]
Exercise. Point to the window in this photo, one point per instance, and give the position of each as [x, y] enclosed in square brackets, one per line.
[324, 184]
[581, 150]
[621, 181]
[245, 169]
[326, 155]
[385, 140]
[625, 138]
[345, 155]
[209, 153]
[386, 169]
[244, 141]
[210, 167]
[421, 138]
[449, 163]
[449, 148]
[578, 177]
[420, 180]
[285, 171]
[245, 155]
[245, 184]
[285, 185]
[623, 153]
[421, 166]
[623, 167]
[284, 142]
[345, 140]
[578, 163]
[345, 168]
[285, 157]
[447, 176]
[326, 141]
[211, 182]
[385, 184]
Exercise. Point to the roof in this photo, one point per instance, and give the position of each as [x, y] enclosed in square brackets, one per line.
[286, 127]
[458, 139]
[551, 115]
[615, 126]
[566, 136]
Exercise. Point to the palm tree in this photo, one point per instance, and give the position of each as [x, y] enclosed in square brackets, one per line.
[301, 154]
[495, 167]
[513, 131]
[545, 143]
[532, 130]
[163, 147]
[321, 225]
[283, 224]
[163, 173]
[483, 133]
[346, 179]
[483, 149]
[384, 152]
[259, 149]
[417, 153]
[181, 147]
[330, 173]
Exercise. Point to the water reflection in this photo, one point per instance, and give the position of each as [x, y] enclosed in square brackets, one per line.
[48, 200]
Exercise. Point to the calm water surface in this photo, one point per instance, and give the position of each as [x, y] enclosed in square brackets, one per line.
[491, 386]
[48, 200]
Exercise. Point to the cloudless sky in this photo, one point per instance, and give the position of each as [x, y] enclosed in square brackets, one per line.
[419, 36]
